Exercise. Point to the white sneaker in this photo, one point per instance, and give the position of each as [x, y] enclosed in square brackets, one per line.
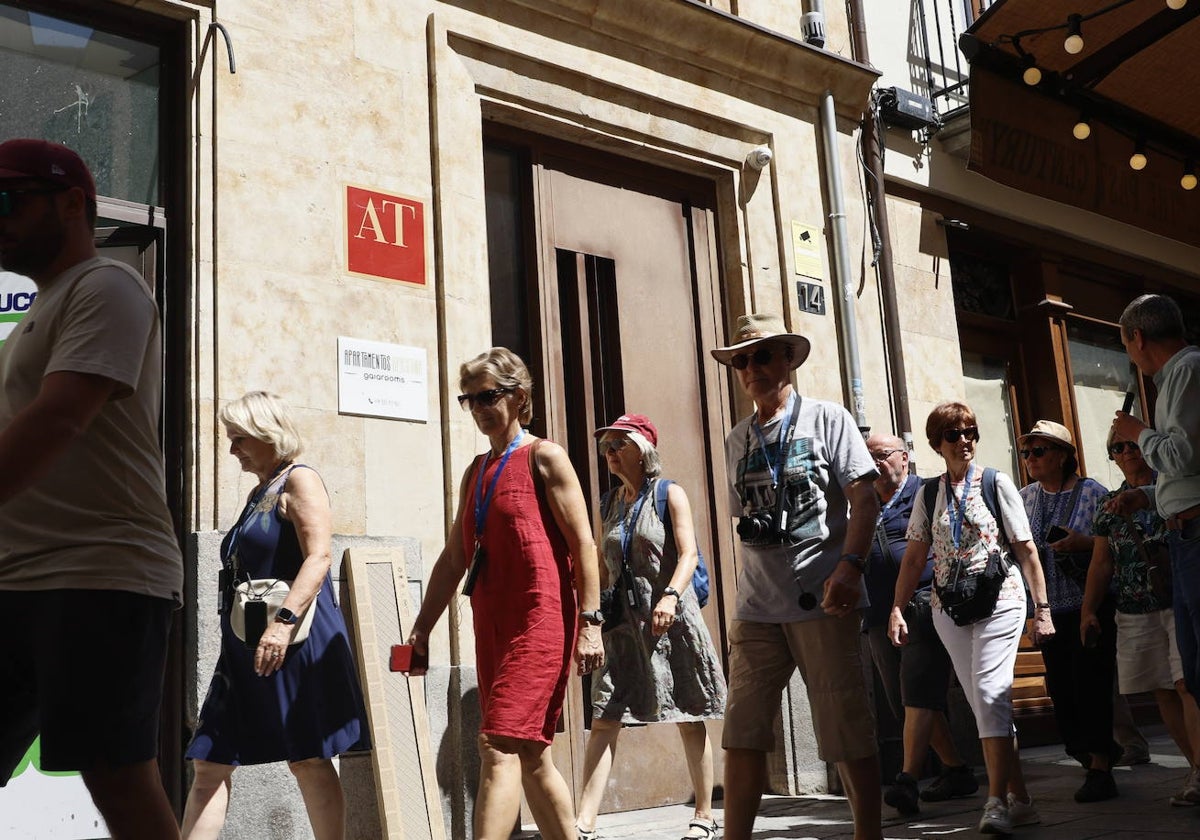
[1189, 794]
[995, 818]
[1022, 813]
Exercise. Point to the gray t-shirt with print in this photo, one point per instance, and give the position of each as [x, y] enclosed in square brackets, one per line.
[826, 452]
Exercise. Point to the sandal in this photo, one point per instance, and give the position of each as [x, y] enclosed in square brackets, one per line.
[586, 834]
[701, 830]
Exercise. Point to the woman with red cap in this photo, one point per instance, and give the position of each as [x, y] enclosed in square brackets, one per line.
[660, 665]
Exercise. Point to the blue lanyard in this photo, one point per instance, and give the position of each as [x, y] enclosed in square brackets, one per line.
[957, 515]
[236, 531]
[784, 439]
[483, 502]
[627, 535]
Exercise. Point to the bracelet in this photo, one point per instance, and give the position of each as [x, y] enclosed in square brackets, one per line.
[856, 560]
[1042, 606]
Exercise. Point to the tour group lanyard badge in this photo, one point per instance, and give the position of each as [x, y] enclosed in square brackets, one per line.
[482, 503]
[625, 532]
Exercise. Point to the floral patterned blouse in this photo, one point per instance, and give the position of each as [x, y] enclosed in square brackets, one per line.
[980, 532]
[1131, 576]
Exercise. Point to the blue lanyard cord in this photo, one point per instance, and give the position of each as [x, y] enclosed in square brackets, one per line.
[1041, 508]
[482, 501]
[236, 531]
[784, 439]
[959, 513]
[626, 534]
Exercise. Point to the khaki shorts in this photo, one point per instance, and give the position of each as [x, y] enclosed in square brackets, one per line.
[1147, 654]
[762, 658]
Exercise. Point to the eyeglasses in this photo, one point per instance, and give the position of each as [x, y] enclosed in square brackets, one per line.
[971, 433]
[1035, 451]
[1121, 445]
[760, 357]
[877, 457]
[10, 200]
[485, 399]
[613, 445]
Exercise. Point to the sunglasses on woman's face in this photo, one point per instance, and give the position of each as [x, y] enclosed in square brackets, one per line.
[760, 357]
[1035, 451]
[971, 433]
[484, 399]
[613, 445]
[1121, 445]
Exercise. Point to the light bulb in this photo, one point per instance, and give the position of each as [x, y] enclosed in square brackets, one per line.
[1082, 130]
[1032, 76]
[1137, 161]
[1177, 5]
[1188, 181]
[1074, 42]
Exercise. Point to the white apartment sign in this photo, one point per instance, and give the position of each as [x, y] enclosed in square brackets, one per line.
[376, 379]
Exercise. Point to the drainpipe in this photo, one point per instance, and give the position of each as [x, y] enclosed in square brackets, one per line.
[871, 150]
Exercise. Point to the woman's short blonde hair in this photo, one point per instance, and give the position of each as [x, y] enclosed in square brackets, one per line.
[507, 369]
[265, 417]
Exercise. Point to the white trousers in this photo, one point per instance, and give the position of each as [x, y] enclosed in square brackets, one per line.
[984, 656]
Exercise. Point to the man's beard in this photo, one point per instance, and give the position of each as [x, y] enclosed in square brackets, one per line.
[34, 253]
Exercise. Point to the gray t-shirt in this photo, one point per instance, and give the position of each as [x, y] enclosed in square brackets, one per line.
[98, 519]
[826, 453]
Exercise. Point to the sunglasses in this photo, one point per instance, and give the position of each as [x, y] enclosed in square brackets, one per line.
[971, 433]
[884, 455]
[1121, 445]
[1035, 451]
[613, 445]
[760, 357]
[10, 200]
[484, 399]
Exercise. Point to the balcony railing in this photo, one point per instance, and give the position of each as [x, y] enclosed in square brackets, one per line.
[938, 64]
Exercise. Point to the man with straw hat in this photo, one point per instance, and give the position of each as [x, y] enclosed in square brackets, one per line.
[801, 482]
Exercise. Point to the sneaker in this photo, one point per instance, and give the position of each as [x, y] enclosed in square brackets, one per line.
[1098, 785]
[902, 795]
[1133, 754]
[953, 782]
[1189, 794]
[995, 818]
[1022, 813]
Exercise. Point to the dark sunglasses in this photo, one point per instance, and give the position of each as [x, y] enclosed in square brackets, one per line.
[486, 399]
[10, 200]
[971, 433]
[613, 445]
[760, 357]
[1121, 445]
[1035, 451]
[884, 455]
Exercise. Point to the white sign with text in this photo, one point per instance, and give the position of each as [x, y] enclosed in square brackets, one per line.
[376, 379]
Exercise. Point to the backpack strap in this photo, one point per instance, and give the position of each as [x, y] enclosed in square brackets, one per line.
[930, 492]
[662, 486]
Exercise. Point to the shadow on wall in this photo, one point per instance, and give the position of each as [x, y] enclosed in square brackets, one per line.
[458, 757]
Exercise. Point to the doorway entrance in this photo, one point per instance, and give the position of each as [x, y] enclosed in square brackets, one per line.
[604, 277]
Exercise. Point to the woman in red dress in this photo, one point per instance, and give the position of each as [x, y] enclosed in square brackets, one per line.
[523, 537]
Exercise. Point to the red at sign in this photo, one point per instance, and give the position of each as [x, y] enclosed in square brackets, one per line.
[385, 236]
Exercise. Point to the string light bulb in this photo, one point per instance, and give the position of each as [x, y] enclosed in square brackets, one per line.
[1033, 74]
[1177, 5]
[1137, 160]
[1082, 129]
[1188, 181]
[1074, 42]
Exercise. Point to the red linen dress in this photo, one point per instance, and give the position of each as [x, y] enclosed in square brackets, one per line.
[524, 604]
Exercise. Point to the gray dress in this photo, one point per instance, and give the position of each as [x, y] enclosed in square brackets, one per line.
[671, 678]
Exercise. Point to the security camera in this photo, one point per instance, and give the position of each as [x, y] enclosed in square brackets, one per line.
[759, 158]
[812, 28]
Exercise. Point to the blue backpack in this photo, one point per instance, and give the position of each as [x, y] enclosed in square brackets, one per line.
[700, 576]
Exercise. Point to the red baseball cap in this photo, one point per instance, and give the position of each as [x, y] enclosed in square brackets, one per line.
[639, 423]
[45, 161]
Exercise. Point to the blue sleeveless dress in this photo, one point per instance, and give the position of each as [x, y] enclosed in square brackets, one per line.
[312, 707]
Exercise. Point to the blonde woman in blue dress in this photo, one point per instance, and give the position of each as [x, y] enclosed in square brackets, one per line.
[660, 665]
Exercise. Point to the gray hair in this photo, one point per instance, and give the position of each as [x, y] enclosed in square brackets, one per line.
[265, 417]
[506, 367]
[651, 460]
[1157, 317]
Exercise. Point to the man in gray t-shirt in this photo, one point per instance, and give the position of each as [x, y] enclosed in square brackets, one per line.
[801, 483]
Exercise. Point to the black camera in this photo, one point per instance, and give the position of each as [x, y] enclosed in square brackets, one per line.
[759, 528]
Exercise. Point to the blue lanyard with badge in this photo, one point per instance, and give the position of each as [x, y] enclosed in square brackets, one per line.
[625, 530]
[958, 512]
[483, 502]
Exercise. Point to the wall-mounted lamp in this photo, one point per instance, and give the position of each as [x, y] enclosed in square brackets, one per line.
[1033, 74]
[1082, 130]
[1074, 42]
[1188, 181]
[1137, 160]
[1176, 5]
[759, 158]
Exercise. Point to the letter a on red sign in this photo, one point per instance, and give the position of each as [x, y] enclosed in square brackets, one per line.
[385, 236]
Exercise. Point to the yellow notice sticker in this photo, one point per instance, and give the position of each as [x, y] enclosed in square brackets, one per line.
[806, 249]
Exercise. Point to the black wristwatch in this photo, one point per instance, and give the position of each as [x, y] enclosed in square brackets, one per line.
[592, 617]
[671, 590]
[856, 560]
[285, 616]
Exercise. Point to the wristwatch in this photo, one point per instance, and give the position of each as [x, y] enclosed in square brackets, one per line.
[592, 617]
[856, 560]
[671, 590]
[285, 616]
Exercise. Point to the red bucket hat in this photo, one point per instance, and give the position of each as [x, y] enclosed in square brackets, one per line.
[639, 423]
[45, 161]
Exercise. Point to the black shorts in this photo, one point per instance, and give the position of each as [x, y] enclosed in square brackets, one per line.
[84, 669]
[925, 666]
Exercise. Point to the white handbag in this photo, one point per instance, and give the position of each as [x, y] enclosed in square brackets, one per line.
[273, 592]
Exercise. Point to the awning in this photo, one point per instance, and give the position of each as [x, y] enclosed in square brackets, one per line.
[1134, 83]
